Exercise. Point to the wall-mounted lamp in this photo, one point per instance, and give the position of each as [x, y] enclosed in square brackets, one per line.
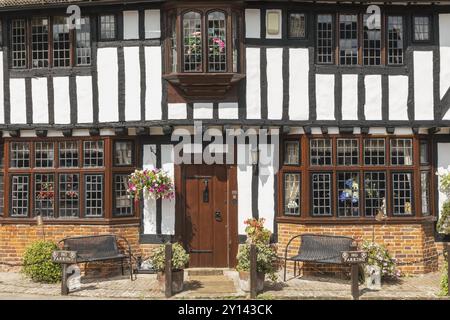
[255, 160]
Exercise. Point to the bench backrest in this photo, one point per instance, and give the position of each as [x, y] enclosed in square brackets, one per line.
[93, 246]
[324, 246]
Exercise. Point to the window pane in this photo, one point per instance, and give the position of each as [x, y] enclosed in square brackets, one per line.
[173, 42]
[402, 193]
[2, 194]
[321, 194]
[371, 45]
[297, 25]
[123, 203]
[324, 45]
[425, 192]
[18, 43]
[93, 195]
[83, 49]
[93, 153]
[20, 155]
[61, 42]
[348, 194]
[217, 51]
[321, 152]
[69, 195]
[421, 28]
[68, 154]
[348, 152]
[1, 33]
[43, 154]
[401, 152]
[123, 153]
[424, 157]
[44, 199]
[39, 42]
[235, 40]
[348, 39]
[2, 155]
[374, 193]
[374, 152]
[107, 27]
[192, 27]
[292, 194]
[291, 152]
[19, 196]
[395, 40]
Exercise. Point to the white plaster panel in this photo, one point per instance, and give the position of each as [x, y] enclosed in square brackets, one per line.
[444, 52]
[84, 99]
[152, 24]
[349, 97]
[253, 83]
[423, 85]
[149, 162]
[275, 83]
[108, 82]
[40, 100]
[372, 106]
[244, 182]
[266, 187]
[443, 161]
[62, 99]
[298, 84]
[447, 116]
[252, 23]
[153, 93]
[177, 111]
[325, 96]
[168, 206]
[228, 110]
[131, 24]
[132, 84]
[2, 107]
[398, 98]
[18, 101]
[203, 110]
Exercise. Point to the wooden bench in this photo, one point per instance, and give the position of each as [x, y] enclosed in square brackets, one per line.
[99, 248]
[318, 249]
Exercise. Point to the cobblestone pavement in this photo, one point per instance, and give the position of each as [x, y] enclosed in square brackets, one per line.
[16, 286]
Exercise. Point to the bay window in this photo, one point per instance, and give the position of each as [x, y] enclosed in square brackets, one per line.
[354, 177]
[83, 179]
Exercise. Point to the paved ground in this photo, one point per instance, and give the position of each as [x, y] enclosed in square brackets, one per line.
[197, 286]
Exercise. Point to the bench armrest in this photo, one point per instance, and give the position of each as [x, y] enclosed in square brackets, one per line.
[127, 243]
[287, 246]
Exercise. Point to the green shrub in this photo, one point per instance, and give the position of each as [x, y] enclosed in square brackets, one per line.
[37, 262]
[266, 259]
[444, 280]
[180, 258]
[443, 225]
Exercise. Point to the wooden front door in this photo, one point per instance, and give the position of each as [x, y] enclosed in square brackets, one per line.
[209, 232]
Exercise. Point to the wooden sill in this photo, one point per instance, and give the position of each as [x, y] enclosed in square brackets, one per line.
[82, 221]
[352, 221]
[204, 86]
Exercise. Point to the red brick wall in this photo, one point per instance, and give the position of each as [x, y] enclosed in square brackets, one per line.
[406, 242]
[14, 238]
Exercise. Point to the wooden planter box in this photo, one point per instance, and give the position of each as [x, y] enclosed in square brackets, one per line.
[177, 281]
[244, 281]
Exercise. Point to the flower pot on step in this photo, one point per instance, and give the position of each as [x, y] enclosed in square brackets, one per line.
[177, 281]
[244, 281]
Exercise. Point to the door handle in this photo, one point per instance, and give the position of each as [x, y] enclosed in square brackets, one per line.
[218, 216]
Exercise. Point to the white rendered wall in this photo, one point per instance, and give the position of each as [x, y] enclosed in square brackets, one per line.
[398, 97]
[131, 25]
[423, 85]
[325, 96]
[275, 83]
[444, 52]
[298, 84]
[62, 100]
[108, 84]
[244, 183]
[253, 77]
[18, 101]
[152, 24]
[40, 100]
[153, 94]
[132, 84]
[372, 107]
[349, 97]
[252, 23]
[168, 206]
[84, 99]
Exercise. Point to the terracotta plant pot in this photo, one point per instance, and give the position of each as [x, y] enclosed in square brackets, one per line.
[244, 281]
[177, 281]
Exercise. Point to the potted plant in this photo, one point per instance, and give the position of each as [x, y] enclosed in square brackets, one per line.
[266, 257]
[180, 258]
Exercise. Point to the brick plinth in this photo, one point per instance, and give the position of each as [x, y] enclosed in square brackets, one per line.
[14, 238]
[411, 244]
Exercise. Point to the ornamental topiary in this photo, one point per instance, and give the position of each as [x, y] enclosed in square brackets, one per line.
[180, 258]
[37, 262]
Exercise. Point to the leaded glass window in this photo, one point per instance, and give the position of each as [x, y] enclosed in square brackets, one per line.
[292, 194]
[192, 42]
[123, 153]
[291, 152]
[371, 45]
[18, 43]
[321, 152]
[348, 194]
[348, 152]
[69, 195]
[374, 152]
[374, 193]
[402, 193]
[39, 42]
[61, 42]
[44, 198]
[83, 43]
[93, 153]
[395, 40]
[123, 203]
[348, 39]
[107, 27]
[93, 192]
[217, 49]
[422, 28]
[20, 155]
[425, 192]
[68, 154]
[324, 44]
[20, 189]
[401, 152]
[321, 194]
[44, 154]
[297, 25]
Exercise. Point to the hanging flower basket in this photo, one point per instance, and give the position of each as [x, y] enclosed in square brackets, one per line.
[154, 184]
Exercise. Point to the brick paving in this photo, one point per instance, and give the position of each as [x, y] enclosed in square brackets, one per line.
[15, 285]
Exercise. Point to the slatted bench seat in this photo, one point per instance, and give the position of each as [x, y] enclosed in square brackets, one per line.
[99, 248]
[319, 249]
